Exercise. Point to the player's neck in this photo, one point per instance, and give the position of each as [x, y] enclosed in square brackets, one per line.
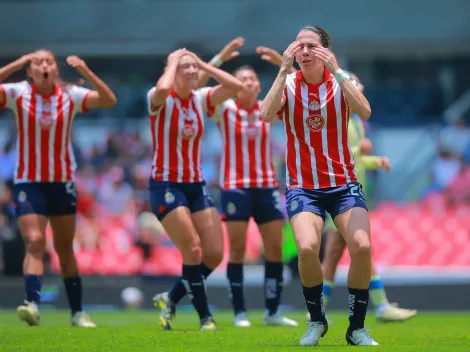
[313, 76]
[248, 104]
[182, 92]
[44, 89]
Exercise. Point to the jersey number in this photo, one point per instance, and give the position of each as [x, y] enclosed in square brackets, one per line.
[70, 189]
[355, 190]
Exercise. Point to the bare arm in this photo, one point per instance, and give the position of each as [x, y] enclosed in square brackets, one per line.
[166, 81]
[7, 70]
[273, 102]
[102, 96]
[273, 57]
[356, 100]
[228, 84]
[226, 54]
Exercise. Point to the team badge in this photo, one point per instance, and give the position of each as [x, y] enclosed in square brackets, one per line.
[315, 122]
[169, 198]
[22, 196]
[231, 208]
[294, 205]
[314, 105]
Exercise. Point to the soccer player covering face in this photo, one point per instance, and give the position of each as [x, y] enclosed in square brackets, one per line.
[178, 192]
[335, 244]
[249, 189]
[316, 103]
[44, 188]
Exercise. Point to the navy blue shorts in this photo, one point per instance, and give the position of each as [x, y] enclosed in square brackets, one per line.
[166, 196]
[334, 200]
[263, 204]
[48, 199]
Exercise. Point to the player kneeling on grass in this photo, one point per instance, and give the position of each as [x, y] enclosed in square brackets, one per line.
[249, 189]
[44, 188]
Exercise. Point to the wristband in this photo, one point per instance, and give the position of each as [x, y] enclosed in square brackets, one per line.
[216, 61]
[340, 75]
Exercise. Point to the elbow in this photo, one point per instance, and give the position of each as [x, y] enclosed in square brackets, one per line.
[111, 102]
[365, 112]
[265, 115]
[164, 88]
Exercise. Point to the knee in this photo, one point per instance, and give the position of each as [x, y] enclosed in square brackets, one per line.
[36, 243]
[360, 248]
[192, 251]
[308, 250]
[212, 258]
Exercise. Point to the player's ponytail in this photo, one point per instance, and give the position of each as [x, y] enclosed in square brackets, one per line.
[325, 38]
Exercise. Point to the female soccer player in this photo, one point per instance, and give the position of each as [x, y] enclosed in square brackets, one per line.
[335, 244]
[316, 103]
[44, 189]
[249, 189]
[178, 193]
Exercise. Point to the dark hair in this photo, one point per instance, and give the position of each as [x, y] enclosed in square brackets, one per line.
[61, 82]
[243, 67]
[325, 38]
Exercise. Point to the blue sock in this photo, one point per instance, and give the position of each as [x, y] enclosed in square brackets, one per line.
[32, 288]
[178, 291]
[196, 289]
[273, 285]
[235, 282]
[73, 287]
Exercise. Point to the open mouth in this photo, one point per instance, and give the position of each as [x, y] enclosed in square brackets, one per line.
[46, 75]
[306, 61]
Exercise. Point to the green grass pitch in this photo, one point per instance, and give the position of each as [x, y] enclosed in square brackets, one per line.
[139, 331]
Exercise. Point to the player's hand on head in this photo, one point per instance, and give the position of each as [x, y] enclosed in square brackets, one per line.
[26, 59]
[230, 52]
[289, 54]
[175, 56]
[365, 146]
[385, 163]
[269, 55]
[76, 62]
[328, 58]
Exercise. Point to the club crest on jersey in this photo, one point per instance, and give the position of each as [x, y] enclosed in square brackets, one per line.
[169, 198]
[315, 122]
[45, 121]
[252, 131]
[231, 208]
[314, 105]
[188, 128]
[22, 197]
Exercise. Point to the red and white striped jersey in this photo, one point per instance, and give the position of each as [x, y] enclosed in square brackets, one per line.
[177, 128]
[44, 122]
[316, 125]
[247, 158]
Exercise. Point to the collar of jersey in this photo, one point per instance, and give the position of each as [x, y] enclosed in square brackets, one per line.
[326, 77]
[55, 91]
[249, 111]
[175, 95]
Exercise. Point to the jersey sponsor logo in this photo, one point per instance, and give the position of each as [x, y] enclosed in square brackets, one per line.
[252, 131]
[188, 128]
[169, 197]
[315, 122]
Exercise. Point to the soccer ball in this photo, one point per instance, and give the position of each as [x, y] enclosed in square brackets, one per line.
[132, 298]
